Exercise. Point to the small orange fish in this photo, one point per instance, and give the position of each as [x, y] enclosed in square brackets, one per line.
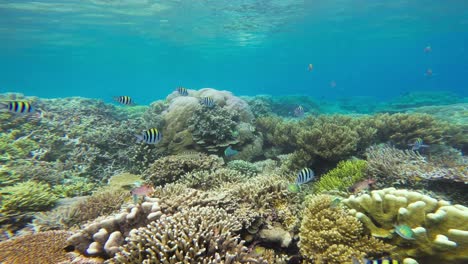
[143, 190]
[362, 185]
[311, 67]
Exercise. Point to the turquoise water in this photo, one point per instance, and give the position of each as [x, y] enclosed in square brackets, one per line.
[145, 49]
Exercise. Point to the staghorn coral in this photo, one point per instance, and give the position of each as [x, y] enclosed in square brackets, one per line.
[104, 236]
[392, 165]
[205, 180]
[22, 199]
[342, 177]
[330, 235]
[199, 234]
[44, 247]
[243, 167]
[440, 229]
[171, 168]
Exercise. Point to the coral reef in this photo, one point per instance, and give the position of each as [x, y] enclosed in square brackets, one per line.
[440, 229]
[330, 235]
[244, 167]
[21, 200]
[44, 247]
[199, 234]
[205, 180]
[191, 126]
[394, 166]
[101, 203]
[171, 168]
[104, 236]
[342, 177]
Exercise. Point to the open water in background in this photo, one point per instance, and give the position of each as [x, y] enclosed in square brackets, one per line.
[144, 48]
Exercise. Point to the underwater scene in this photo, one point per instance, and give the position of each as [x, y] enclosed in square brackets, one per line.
[242, 131]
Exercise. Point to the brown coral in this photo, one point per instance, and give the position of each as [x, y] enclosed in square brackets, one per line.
[199, 234]
[44, 247]
[328, 234]
[171, 168]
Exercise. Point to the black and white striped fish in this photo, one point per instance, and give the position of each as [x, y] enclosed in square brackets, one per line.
[124, 99]
[208, 101]
[150, 136]
[182, 91]
[304, 176]
[19, 107]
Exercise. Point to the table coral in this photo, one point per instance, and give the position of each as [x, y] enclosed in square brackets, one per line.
[328, 234]
[440, 229]
[199, 234]
[44, 247]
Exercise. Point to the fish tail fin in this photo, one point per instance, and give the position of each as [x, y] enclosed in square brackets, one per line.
[3, 106]
[139, 138]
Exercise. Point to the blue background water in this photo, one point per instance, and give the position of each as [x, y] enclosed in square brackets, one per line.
[98, 48]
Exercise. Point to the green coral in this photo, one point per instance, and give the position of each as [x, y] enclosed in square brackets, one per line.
[75, 186]
[244, 167]
[342, 177]
[20, 200]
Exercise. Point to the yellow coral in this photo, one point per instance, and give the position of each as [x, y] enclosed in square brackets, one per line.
[440, 229]
[330, 235]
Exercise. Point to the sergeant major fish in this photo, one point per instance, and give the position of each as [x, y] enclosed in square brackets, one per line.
[207, 101]
[418, 143]
[19, 107]
[150, 136]
[124, 99]
[304, 176]
[376, 261]
[182, 91]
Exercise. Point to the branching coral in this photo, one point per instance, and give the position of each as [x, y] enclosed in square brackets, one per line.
[392, 165]
[21, 200]
[330, 235]
[243, 167]
[342, 177]
[199, 234]
[440, 229]
[45, 247]
[205, 180]
[171, 168]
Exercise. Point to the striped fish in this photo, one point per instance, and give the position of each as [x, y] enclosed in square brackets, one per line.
[418, 143]
[182, 91]
[305, 176]
[150, 136]
[124, 99]
[376, 261]
[17, 107]
[208, 101]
